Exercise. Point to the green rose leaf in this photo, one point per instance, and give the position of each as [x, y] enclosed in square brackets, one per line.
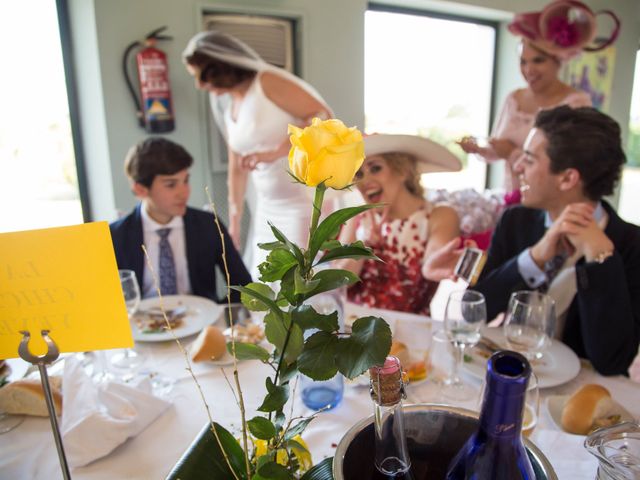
[249, 351]
[278, 262]
[301, 285]
[275, 329]
[332, 279]
[275, 471]
[293, 248]
[307, 318]
[317, 360]
[262, 428]
[281, 419]
[354, 250]
[330, 245]
[320, 471]
[287, 372]
[287, 287]
[298, 428]
[276, 397]
[368, 345]
[332, 223]
[271, 245]
[257, 297]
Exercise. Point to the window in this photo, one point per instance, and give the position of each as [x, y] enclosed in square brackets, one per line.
[630, 191]
[431, 76]
[39, 182]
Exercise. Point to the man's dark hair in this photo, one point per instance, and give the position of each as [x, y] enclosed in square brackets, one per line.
[587, 140]
[155, 156]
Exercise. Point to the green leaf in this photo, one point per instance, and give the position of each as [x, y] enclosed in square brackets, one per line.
[275, 330]
[249, 351]
[293, 248]
[275, 471]
[301, 285]
[262, 428]
[276, 397]
[298, 428]
[331, 224]
[330, 245]
[281, 418]
[307, 318]
[354, 250]
[317, 360]
[332, 279]
[278, 262]
[271, 245]
[368, 345]
[287, 372]
[287, 287]
[320, 471]
[257, 297]
[204, 459]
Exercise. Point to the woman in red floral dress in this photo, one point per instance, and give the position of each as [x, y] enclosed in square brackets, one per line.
[403, 232]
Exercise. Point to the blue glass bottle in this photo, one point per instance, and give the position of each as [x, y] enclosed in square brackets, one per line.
[496, 451]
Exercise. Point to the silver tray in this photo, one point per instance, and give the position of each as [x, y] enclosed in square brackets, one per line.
[437, 430]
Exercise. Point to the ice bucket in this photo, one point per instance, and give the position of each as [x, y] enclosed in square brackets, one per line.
[435, 433]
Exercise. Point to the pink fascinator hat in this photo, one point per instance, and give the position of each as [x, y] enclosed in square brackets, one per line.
[564, 28]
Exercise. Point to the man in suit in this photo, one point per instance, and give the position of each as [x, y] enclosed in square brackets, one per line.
[565, 239]
[183, 243]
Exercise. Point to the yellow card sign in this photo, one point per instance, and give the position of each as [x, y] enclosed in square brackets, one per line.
[64, 280]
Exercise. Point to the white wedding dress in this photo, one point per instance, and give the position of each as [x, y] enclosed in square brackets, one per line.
[272, 195]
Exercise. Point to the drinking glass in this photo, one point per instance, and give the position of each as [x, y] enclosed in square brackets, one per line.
[464, 314]
[529, 323]
[127, 358]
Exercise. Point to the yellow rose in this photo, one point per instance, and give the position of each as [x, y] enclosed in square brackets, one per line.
[325, 151]
[303, 455]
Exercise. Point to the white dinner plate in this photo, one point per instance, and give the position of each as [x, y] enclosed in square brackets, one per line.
[558, 365]
[200, 313]
[555, 405]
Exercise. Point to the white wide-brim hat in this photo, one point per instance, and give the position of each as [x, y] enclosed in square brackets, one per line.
[431, 156]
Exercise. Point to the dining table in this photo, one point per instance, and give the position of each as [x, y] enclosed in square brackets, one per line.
[29, 452]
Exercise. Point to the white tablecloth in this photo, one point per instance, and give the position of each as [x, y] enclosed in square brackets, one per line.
[28, 452]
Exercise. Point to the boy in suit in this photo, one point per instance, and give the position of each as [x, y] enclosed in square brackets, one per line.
[566, 240]
[183, 243]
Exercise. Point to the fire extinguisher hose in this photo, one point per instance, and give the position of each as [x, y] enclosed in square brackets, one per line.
[127, 79]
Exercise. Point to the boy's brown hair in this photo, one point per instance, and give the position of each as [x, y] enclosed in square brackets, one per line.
[155, 156]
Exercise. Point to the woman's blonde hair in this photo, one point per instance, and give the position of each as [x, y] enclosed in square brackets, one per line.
[406, 164]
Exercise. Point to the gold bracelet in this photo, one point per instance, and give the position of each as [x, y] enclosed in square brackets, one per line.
[602, 256]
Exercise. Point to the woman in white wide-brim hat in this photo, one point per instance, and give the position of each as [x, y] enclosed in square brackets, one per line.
[404, 231]
[253, 102]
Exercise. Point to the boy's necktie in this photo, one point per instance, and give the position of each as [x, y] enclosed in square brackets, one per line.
[552, 268]
[167, 267]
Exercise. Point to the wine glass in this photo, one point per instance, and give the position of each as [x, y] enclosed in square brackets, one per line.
[127, 358]
[529, 323]
[464, 314]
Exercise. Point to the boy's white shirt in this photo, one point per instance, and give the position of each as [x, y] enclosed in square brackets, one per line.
[178, 245]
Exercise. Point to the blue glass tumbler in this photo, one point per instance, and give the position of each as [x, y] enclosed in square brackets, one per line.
[325, 394]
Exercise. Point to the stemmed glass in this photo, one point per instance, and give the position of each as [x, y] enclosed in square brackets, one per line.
[529, 322]
[127, 358]
[464, 314]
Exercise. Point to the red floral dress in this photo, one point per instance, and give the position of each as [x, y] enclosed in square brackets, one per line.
[396, 283]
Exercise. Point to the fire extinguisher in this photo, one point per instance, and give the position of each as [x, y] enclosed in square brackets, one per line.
[154, 108]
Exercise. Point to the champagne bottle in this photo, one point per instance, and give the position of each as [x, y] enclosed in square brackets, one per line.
[387, 391]
[496, 451]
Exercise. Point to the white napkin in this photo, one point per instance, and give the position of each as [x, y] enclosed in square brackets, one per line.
[566, 453]
[96, 419]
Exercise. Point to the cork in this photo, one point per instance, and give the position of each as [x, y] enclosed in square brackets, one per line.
[386, 382]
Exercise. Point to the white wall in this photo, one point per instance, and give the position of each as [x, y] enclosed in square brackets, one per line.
[331, 55]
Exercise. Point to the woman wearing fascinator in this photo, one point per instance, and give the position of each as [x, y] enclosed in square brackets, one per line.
[406, 229]
[562, 30]
[253, 102]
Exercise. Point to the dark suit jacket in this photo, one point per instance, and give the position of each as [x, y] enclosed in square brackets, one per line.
[603, 321]
[203, 246]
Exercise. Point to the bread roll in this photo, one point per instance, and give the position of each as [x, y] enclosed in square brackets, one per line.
[585, 408]
[26, 397]
[210, 345]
